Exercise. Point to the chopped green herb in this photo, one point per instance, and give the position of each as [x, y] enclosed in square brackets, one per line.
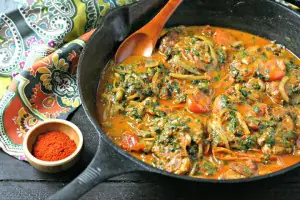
[198, 173]
[110, 87]
[256, 109]
[209, 168]
[221, 57]
[187, 50]
[196, 52]
[244, 92]
[264, 55]
[257, 87]
[248, 172]
[217, 78]
[233, 121]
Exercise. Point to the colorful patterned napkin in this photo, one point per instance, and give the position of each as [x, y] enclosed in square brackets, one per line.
[40, 43]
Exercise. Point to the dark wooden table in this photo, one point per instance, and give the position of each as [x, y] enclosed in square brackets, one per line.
[18, 180]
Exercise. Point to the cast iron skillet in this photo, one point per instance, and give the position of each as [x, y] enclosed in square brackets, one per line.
[260, 17]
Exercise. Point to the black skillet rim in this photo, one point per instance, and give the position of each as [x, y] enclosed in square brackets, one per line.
[146, 166]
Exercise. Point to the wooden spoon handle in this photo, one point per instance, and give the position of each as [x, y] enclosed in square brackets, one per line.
[155, 26]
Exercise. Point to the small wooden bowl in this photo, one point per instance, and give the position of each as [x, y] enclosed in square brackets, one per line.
[64, 126]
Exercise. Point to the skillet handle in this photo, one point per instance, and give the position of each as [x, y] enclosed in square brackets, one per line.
[106, 164]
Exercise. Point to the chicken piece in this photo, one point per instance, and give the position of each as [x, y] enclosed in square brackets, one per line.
[275, 49]
[279, 150]
[230, 174]
[243, 169]
[185, 166]
[272, 89]
[241, 72]
[170, 39]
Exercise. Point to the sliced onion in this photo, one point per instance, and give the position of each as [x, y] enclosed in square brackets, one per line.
[242, 123]
[134, 96]
[189, 77]
[214, 56]
[282, 91]
[155, 83]
[215, 126]
[184, 65]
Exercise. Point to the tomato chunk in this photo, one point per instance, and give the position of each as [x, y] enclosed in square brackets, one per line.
[198, 103]
[273, 70]
[130, 142]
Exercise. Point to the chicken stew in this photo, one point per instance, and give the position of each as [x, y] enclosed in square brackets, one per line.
[210, 102]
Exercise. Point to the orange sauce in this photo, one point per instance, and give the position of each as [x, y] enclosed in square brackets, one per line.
[114, 127]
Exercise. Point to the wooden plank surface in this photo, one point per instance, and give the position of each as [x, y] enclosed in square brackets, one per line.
[281, 188]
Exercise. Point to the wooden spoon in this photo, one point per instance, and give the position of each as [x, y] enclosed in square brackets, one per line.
[142, 42]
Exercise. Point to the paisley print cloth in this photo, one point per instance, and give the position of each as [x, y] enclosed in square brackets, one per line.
[40, 43]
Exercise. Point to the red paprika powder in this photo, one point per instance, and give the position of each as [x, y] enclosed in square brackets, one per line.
[53, 146]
